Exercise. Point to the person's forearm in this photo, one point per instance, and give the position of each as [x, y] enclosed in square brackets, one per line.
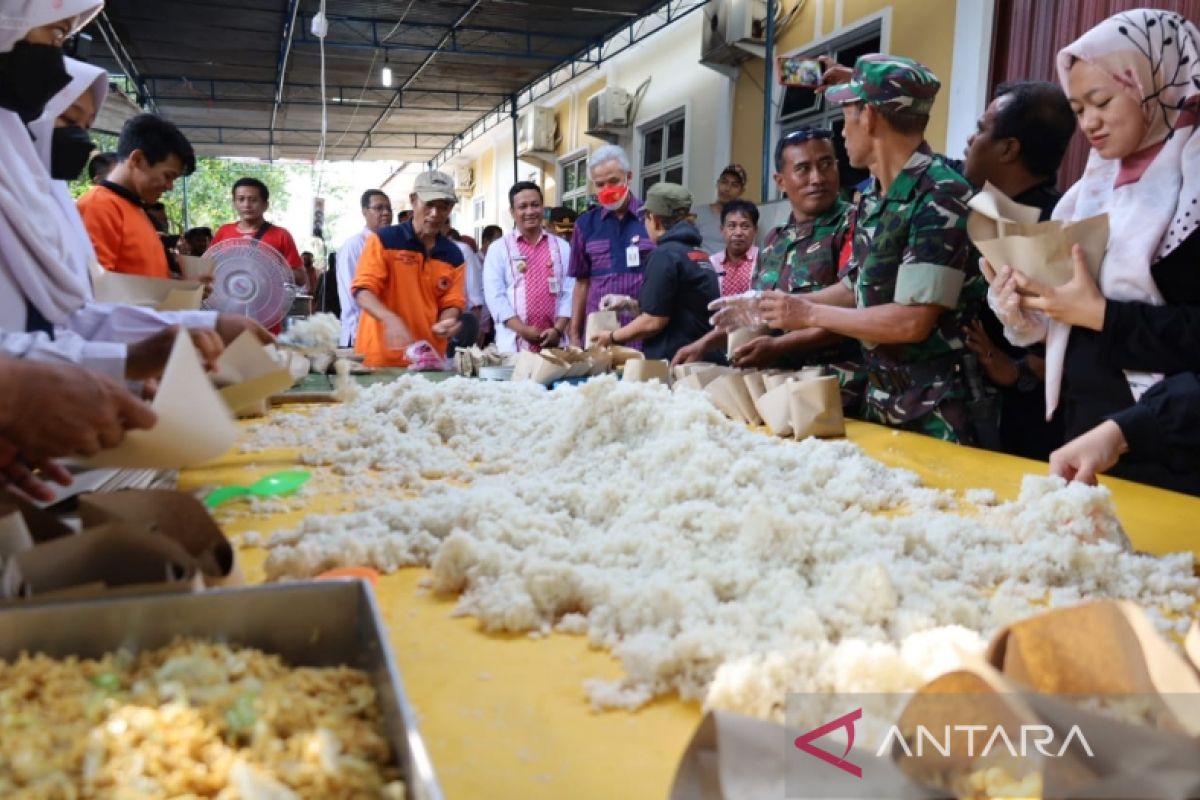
[449, 313]
[836, 295]
[713, 340]
[890, 323]
[370, 303]
[643, 326]
[806, 341]
[561, 324]
[579, 300]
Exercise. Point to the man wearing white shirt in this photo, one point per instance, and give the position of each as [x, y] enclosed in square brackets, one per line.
[377, 213]
[525, 278]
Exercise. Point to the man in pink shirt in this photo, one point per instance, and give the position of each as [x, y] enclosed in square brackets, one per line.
[735, 264]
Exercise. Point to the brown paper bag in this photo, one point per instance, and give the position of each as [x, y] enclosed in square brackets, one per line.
[623, 355]
[164, 294]
[721, 396]
[177, 516]
[249, 377]
[642, 370]
[600, 322]
[41, 526]
[815, 408]
[735, 387]
[108, 557]
[741, 336]
[542, 368]
[196, 267]
[772, 380]
[755, 384]
[775, 408]
[601, 360]
[1007, 233]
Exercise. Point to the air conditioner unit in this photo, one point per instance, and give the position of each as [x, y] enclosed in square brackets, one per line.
[608, 111]
[536, 131]
[734, 31]
[464, 180]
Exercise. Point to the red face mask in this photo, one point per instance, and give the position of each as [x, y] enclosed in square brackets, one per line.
[611, 197]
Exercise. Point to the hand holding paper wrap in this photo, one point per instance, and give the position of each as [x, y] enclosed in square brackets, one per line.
[737, 311]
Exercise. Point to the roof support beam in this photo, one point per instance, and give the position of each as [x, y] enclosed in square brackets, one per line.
[285, 49]
[125, 61]
[168, 88]
[416, 73]
[365, 34]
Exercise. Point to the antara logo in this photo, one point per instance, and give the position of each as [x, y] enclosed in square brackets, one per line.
[1041, 737]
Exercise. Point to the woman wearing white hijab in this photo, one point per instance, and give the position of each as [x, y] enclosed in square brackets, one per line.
[93, 321]
[38, 287]
[1134, 83]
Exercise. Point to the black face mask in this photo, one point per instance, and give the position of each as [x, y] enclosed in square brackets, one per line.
[30, 74]
[69, 151]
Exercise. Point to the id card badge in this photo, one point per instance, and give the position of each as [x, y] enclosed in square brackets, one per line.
[633, 256]
[553, 283]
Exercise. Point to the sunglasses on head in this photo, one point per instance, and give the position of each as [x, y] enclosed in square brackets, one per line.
[807, 134]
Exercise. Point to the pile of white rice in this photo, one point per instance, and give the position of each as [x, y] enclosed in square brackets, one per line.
[714, 561]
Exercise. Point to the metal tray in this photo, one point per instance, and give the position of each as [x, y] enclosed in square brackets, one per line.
[313, 624]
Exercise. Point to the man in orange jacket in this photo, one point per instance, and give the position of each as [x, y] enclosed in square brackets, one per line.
[410, 282]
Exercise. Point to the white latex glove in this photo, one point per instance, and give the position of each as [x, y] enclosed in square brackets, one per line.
[1022, 327]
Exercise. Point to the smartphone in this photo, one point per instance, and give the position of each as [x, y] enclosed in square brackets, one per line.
[799, 71]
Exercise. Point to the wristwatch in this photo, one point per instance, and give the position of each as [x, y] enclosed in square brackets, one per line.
[1027, 381]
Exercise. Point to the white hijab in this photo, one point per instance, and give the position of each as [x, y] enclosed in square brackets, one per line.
[35, 243]
[1150, 197]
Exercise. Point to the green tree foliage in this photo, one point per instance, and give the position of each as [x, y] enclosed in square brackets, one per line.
[209, 188]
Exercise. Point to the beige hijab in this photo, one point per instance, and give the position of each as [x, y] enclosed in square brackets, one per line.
[1151, 196]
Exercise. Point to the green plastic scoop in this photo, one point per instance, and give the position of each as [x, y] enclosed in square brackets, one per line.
[276, 483]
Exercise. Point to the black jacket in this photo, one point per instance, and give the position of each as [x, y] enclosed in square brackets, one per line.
[679, 284]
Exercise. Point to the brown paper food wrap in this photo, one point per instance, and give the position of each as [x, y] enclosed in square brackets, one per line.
[775, 407]
[177, 516]
[815, 407]
[196, 267]
[249, 377]
[601, 360]
[1007, 233]
[735, 388]
[600, 322]
[722, 397]
[1030, 671]
[755, 383]
[623, 355]
[111, 557]
[542, 368]
[643, 370]
[742, 336]
[578, 361]
[163, 294]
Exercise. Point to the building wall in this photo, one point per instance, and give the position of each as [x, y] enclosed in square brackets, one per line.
[920, 29]
[724, 115]
[669, 60]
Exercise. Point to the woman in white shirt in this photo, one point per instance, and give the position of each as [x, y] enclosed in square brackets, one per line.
[525, 281]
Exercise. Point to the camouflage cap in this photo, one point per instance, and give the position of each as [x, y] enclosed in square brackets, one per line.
[665, 199]
[885, 80]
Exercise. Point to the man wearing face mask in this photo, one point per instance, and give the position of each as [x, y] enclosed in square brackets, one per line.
[610, 245]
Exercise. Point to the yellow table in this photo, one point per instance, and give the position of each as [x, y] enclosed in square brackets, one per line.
[506, 716]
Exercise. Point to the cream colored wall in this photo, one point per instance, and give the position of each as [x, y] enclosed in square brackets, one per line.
[920, 29]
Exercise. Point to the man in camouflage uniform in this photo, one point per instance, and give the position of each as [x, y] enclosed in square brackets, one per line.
[803, 255]
[902, 293]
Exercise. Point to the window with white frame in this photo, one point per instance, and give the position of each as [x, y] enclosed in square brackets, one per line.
[479, 212]
[574, 183]
[663, 156]
[805, 108]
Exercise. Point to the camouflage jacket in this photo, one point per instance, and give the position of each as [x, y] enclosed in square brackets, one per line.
[804, 256]
[911, 247]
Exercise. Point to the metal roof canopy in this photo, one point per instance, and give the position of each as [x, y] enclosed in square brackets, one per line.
[242, 77]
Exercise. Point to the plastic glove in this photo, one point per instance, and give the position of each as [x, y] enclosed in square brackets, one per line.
[1022, 327]
[736, 311]
[423, 357]
[617, 302]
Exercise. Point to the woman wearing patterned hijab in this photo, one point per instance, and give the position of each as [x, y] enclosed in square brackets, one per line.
[1134, 84]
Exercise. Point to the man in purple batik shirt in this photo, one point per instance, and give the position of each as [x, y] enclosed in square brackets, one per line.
[610, 246]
